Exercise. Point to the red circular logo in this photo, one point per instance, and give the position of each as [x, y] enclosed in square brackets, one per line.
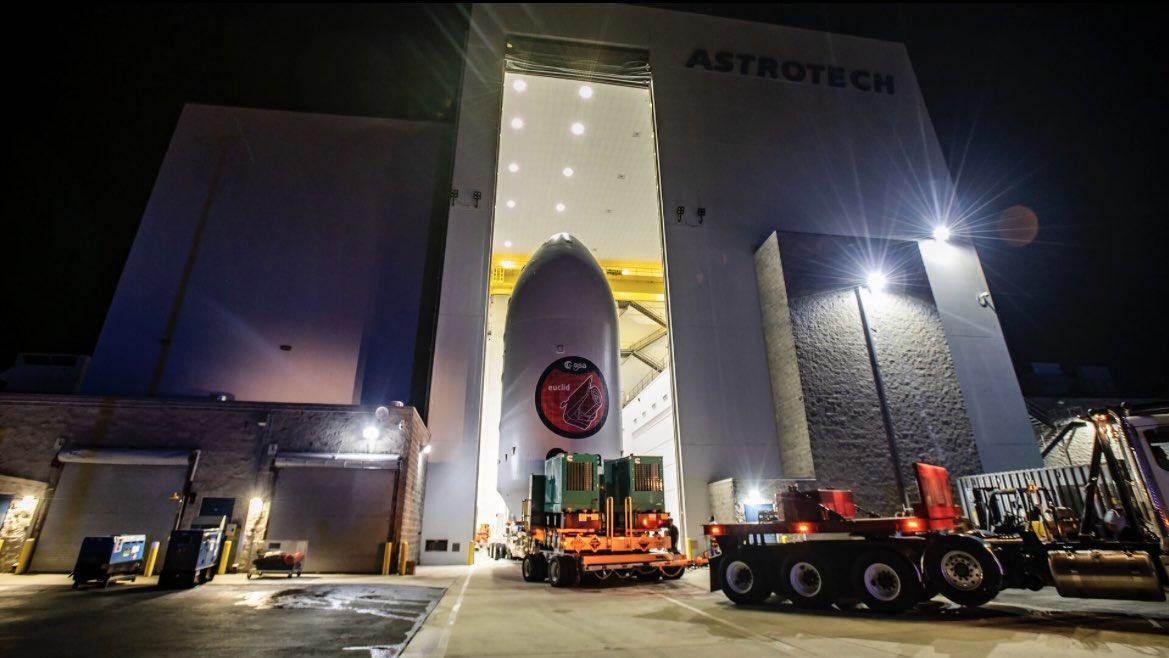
[571, 398]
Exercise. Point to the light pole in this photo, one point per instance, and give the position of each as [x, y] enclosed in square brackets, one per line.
[876, 281]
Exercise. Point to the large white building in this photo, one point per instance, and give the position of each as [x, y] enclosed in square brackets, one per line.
[738, 182]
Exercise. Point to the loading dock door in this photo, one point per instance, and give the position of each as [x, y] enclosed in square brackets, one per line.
[107, 499]
[344, 513]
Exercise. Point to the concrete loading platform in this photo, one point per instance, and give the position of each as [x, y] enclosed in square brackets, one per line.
[487, 609]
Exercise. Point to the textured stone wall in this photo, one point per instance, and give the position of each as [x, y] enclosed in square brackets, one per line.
[849, 445]
[14, 528]
[237, 443]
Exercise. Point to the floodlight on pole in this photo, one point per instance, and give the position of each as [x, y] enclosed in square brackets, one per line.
[876, 281]
[942, 233]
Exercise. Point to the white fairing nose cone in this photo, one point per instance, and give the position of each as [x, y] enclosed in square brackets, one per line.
[560, 354]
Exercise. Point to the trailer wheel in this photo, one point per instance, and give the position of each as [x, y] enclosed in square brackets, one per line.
[535, 568]
[886, 580]
[745, 579]
[673, 573]
[562, 571]
[963, 570]
[649, 574]
[810, 580]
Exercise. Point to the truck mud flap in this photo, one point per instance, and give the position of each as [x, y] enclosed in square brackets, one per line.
[716, 574]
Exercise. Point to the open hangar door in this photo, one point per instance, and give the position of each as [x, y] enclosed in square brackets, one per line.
[111, 492]
[344, 508]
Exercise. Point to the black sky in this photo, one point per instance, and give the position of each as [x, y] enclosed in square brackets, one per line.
[1059, 108]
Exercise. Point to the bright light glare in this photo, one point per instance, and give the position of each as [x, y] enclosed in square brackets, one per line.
[426, 449]
[586, 92]
[517, 123]
[560, 207]
[27, 504]
[513, 167]
[568, 172]
[507, 243]
[370, 432]
[519, 85]
[625, 272]
[255, 505]
[511, 203]
[577, 128]
[507, 264]
[876, 281]
[941, 233]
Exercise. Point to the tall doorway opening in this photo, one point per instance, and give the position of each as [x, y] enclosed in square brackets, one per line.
[577, 155]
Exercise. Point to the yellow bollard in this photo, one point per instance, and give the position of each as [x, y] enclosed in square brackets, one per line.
[1, 545]
[403, 557]
[151, 558]
[386, 550]
[25, 555]
[223, 557]
[691, 546]
[471, 554]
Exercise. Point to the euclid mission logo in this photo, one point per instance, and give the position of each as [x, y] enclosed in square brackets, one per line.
[571, 398]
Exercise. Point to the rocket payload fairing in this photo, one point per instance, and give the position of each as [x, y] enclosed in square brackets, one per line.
[560, 366]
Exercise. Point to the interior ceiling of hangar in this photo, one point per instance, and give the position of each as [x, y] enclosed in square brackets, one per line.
[611, 199]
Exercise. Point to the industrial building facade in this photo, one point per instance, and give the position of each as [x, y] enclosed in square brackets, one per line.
[739, 183]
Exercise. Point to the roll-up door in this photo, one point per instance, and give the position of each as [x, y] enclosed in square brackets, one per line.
[106, 493]
[344, 513]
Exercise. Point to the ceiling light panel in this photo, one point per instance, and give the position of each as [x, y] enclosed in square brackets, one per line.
[618, 217]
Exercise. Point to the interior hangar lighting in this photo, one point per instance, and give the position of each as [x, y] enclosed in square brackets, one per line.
[560, 207]
[513, 167]
[576, 128]
[511, 203]
[568, 172]
[942, 233]
[507, 243]
[518, 123]
[519, 85]
[876, 281]
[585, 91]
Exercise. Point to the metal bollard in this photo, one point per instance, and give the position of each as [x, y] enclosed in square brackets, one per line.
[691, 547]
[387, 549]
[25, 555]
[223, 558]
[151, 558]
[403, 557]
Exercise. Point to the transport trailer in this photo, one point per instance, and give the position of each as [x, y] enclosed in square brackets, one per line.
[818, 552]
[588, 517]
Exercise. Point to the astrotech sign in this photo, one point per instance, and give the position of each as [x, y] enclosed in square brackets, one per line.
[791, 70]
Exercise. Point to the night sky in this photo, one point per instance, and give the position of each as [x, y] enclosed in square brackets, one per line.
[1059, 109]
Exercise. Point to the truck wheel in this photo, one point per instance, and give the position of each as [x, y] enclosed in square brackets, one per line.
[745, 579]
[886, 580]
[810, 580]
[535, 568]
[649, 574]
[562, 571]
[963, 569]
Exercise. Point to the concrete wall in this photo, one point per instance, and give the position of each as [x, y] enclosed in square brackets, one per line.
[848, 442]
[312, 231]
[758, 153]
[235, 440]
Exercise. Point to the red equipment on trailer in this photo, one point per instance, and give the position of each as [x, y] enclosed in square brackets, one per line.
[830, 556]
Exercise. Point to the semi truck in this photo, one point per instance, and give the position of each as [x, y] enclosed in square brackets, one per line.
[818, 551]
[588, 517]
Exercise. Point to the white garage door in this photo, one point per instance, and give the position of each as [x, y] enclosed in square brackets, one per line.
[344, 513]
[106, 499]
